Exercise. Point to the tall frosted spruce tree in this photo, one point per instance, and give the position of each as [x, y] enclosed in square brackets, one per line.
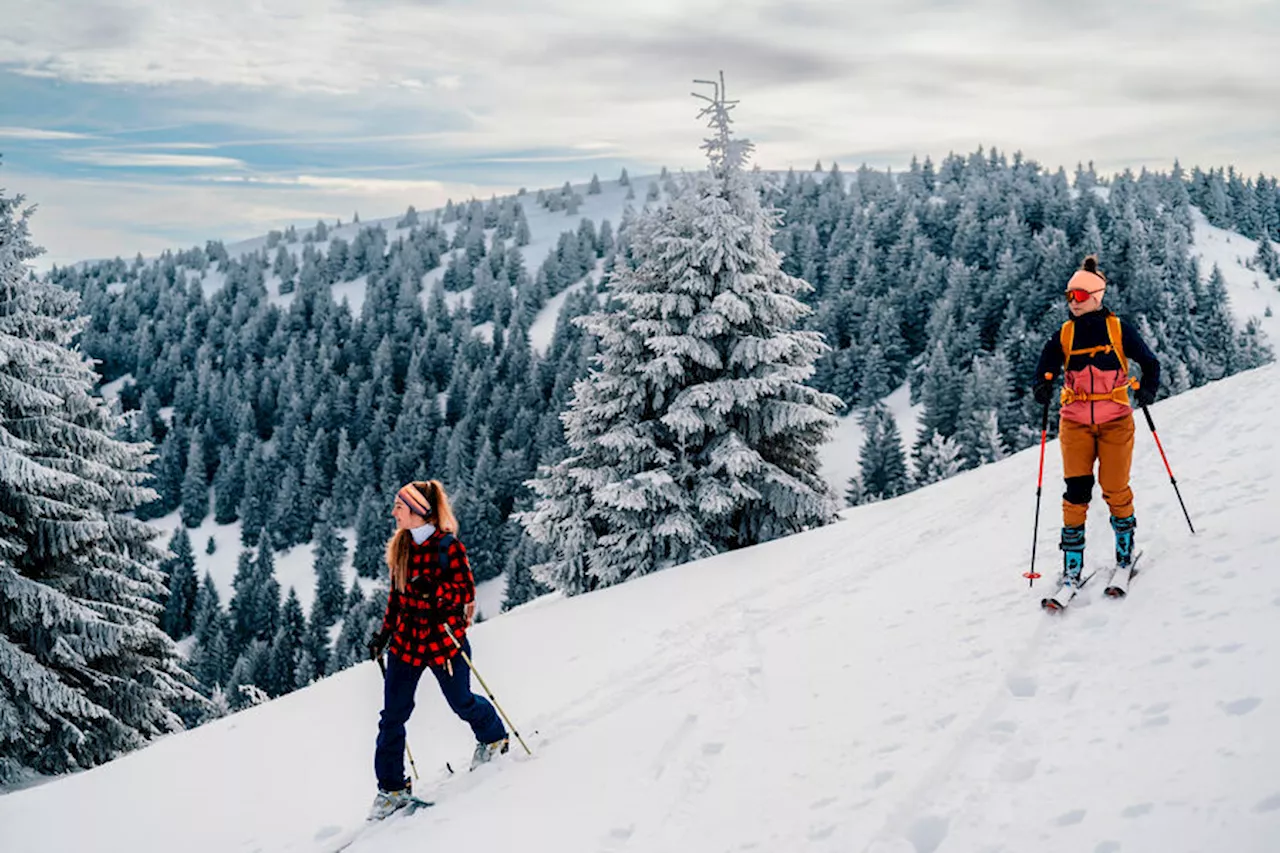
[85, 671]
[694, 432]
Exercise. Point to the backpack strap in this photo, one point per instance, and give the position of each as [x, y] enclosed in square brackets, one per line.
[1115, 336]
[443, 545]
[1117, 341]
[1068, 337]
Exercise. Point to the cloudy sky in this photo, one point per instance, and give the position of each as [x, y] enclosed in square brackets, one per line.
[138, 126]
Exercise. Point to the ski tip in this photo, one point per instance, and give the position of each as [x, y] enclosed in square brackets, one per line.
[1115, 592]
[1050, 605]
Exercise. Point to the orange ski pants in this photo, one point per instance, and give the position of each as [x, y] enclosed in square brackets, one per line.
[1110, 446]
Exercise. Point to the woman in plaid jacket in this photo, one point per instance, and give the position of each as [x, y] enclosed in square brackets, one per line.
[432, 597]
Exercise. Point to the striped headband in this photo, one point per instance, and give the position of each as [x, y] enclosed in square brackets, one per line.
[414, 499]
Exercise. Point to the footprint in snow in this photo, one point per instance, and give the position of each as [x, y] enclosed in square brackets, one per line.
[880, 778]
[1071, 818]
[1107, 847]
[1137, 810]
[1270, 804]
[1157, 708]
[1021, 686]
[1019, 771]
[1241, 707]
[928, 833]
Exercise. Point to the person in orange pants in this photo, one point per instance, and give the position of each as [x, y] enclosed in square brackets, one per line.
[1091, 352]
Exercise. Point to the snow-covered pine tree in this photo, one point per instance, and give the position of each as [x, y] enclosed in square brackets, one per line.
[695, 433]
[331, 550]
[195, 489]
[85, 671]
[937, 459]
[884, 469]
[373, 527]
[286, 647]
[179, 611]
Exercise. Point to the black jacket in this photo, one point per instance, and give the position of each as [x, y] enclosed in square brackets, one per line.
[1091, 331]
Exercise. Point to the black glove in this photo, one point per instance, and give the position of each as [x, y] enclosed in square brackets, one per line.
[378, 644]
[1042, 391]
[1145, 394]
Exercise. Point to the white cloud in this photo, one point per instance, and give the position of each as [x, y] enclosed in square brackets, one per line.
[523, 85]
[818, 79]
[115, 159]
[35, 133]
[346, 184]
[80, 219]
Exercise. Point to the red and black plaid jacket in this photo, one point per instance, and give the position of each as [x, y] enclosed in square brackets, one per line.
[439, 589]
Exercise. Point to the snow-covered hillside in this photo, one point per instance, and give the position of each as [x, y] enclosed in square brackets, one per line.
[1251, 293]
[545, 228]
[886, 684]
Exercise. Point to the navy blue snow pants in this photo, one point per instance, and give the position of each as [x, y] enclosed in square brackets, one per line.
[398, 689]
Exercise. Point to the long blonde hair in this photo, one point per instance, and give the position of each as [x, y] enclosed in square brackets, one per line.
[398, 545]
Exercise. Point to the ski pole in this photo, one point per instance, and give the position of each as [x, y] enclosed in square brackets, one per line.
[1160, 447]
[382, 666]
[486, 688]
[1035, 531]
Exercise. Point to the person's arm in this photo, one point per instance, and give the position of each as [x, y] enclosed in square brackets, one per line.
[1050, 363]
[1136, 349]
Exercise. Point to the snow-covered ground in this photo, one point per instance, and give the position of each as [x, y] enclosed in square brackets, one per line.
[545, 228]
[841, 457]
[887, 684]
[1251, 293]
[294, 568]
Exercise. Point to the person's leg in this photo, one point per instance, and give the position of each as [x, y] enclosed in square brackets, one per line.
[1115, 458]
[475, 710]
[1079, 451]
[397, 704]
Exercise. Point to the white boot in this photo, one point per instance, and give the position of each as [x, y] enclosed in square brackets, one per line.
[390, 802]
[486, 751]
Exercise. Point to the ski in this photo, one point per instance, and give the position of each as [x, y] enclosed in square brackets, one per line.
[1118, 586]
[415, 804]
[1052, 603]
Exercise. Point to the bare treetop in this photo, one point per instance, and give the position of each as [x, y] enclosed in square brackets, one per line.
[725, 153]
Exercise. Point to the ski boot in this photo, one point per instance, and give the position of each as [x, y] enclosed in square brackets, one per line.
[1124, 539]
[1118, 586]
[486, 751]
[1072, 546]
[389, 802]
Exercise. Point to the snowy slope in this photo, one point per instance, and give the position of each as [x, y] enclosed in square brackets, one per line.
[545, 227]
[887, 684]
[1251, 292]
[295, 568]
[841, 457]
